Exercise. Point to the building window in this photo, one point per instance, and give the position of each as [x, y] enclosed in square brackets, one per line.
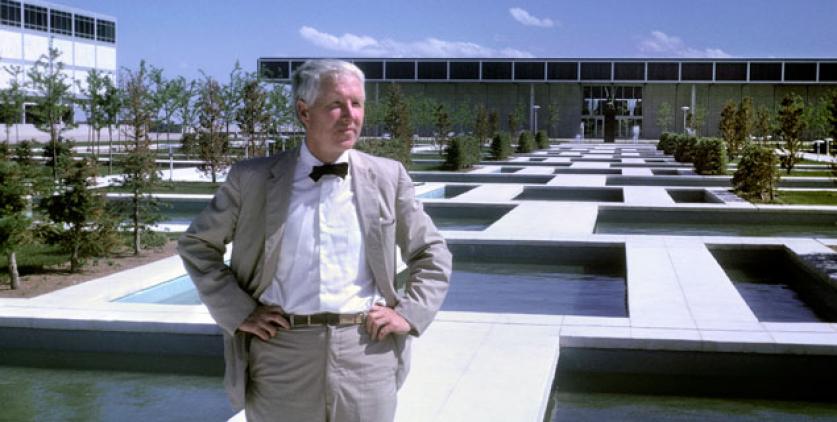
[85, 27]
[497, 70]
[800, 72]
[630, 71]
[595, 71]
[663, 71]
[10, 13]
[272, 70]
[60, 22]
[371, 70]
[35, 17]
[464, 70]
[731, 71]
[567, 71]
[696, 72]
[432, 70]
[105, 31]
[401, 70]
[529, 70]
[828, 72]
[766, 72]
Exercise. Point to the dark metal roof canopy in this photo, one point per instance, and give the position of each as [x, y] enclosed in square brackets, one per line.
[558, 70]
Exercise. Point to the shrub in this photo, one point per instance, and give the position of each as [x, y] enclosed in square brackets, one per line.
[389, 148]
[685, 148]
[668, 143]
[756, 175]
[501, 146]
[710, 156]
[541, 140]
[462, 152]
[525, 143]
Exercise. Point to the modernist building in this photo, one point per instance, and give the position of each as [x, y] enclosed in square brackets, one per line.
[578, 88]
[28, 29]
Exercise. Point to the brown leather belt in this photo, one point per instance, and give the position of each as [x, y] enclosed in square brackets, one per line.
[326, 318]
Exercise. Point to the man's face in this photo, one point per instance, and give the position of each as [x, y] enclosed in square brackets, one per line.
[334, 121]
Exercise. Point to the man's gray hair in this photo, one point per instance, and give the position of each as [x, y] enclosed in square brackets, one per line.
[308, 77]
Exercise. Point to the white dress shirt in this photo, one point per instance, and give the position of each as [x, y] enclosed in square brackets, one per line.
[322, 259]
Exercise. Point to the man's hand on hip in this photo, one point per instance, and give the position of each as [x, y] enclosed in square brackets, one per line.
[265, 322]
[383, 321]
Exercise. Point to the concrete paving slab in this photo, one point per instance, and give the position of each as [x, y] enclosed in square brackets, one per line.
[636, 171]
[589, 165]
[578, 180]
[655, 297]
[564, 218]
[495, 192]
[646, 195]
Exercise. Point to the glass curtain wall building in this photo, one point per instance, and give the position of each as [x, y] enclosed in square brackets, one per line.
[28, 29]
[562, 94]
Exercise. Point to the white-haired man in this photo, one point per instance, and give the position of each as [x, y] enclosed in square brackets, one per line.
[314, 329]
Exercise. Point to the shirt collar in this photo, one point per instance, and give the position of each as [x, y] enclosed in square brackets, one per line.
[308, 160]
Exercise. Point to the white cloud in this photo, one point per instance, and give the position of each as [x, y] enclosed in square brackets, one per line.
[364, 45]
[525, 18]
[662, 44]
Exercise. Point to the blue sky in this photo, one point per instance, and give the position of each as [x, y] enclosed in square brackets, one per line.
[183, 36]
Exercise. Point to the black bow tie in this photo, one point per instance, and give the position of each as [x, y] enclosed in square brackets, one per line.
[339, 169]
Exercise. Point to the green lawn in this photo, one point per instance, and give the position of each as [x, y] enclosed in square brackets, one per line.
[33, 258]
[806, 197]
[179, 187]
[811, 173]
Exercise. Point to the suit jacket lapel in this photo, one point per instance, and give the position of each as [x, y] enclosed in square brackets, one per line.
[279, 186]
[364, 183]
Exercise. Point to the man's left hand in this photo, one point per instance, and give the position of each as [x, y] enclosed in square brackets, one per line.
[382, 321]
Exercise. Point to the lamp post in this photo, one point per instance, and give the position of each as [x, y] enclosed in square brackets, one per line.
[535, 118]
[685, 112]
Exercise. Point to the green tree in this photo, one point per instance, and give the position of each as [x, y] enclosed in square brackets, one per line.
[11, 101]
[53, 98]
[763, 125]
[727, 128]
[281, 109]
[525, 142]
[553, 117]
[791, 126]
[231, 97]
[817, 120]
[111, 106]
[94, 104]
[442, 124]
[171, 96]
[422, 113]
[756, 176]
[253, 117]
[665, 116]
[832, 113]
[79, 213]
[493, 123]
[397, 119]
[140, 171]
[744, 118]
[500, 147]
[481, 124]
[14, 222]
[213, 144]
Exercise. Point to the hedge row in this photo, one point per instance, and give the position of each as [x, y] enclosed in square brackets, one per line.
[707, 154]
[542, 140]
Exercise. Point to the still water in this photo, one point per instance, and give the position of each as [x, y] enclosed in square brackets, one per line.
[35, 394]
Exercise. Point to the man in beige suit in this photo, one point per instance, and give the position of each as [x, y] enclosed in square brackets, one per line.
[314, 329]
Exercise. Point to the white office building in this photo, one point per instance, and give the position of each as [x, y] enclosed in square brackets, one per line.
[86, 40]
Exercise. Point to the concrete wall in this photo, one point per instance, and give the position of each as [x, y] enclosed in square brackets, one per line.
[505, 97]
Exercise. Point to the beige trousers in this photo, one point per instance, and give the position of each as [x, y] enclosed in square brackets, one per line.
[328, 374]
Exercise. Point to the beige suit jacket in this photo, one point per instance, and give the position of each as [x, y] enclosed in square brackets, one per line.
[250, 210]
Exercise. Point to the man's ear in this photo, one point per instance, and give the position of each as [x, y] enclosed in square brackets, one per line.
[302, 112]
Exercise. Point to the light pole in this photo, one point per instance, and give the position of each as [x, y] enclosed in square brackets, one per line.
[535, 118]
[685, 112]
